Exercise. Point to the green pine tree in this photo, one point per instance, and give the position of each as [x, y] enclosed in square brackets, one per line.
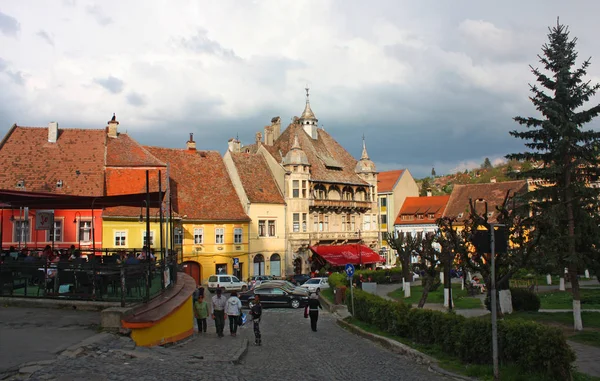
[433, 172]
[567, 210]
[487, 164]
[425, 186]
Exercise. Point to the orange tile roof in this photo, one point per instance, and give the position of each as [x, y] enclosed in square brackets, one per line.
[493, 193]
[76, 159]
[131, 180]
[422, 205]
[200, 185]
[386, 181]
[123, 151]
[324, 146]
[257, 179]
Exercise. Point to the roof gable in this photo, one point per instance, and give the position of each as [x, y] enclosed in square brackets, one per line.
[329, 161]
[256, 178]
[386, 181]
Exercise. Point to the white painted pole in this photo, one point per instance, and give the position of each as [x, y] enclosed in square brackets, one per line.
[549, 279]
[407, 290]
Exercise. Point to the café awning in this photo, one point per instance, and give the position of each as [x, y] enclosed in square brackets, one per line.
[340, 255]
[39, 200]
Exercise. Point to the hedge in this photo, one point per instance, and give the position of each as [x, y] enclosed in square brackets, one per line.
[377, 276]
[522, 300]
[527, 344]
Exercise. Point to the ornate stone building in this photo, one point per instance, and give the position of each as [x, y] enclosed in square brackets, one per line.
[330, 197]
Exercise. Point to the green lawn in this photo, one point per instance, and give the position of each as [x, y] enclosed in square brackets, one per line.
[590, 299]
[460, 298]
[327, 293]
[590, 319]
[453, 363]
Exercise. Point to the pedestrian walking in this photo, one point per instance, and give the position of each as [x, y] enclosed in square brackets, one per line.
[201, 313]
[256, 312]
[313, 310]
[218, 307]
[233, 311]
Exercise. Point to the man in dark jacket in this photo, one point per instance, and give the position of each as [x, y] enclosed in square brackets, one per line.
[256, 312]
[313, 310]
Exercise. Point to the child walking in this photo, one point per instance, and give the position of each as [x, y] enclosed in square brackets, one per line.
[256, 313]
[201, 312]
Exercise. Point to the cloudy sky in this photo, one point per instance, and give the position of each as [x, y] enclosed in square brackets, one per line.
[429, 83]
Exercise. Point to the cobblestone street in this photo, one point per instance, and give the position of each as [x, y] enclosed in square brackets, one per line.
[290, 351]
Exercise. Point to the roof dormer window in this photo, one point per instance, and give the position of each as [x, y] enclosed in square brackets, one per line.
[21, 184]
[59, 184]
[460, 215]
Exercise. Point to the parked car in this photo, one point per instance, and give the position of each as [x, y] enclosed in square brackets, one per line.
[316, 284]
[225, 282]
[286, 284]
[298, 279]
[255, 280]
[272, 295]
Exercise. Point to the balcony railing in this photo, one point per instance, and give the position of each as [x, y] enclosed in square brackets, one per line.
[340, 204]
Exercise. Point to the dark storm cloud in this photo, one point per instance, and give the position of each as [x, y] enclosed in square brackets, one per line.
[136, 99]
[9, 26]
[201, 43]
[96, 12]
[110, 83]
[46, 37]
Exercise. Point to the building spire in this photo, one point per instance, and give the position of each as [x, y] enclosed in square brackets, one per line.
[365, 155]
[308, 114]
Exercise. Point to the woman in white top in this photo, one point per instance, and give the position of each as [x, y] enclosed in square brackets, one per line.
[233, 309]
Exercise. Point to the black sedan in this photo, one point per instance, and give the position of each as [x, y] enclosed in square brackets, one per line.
[275, 296]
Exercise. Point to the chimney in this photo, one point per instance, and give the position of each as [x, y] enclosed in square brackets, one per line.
[112, 127]
[191, 144]
[52, 132]
[269, 135]
[492, 180]
[276, 126]
[258, 139]
[234, 145]
[429, 192]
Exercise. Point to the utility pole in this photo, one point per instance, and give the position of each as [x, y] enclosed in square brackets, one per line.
[494, 309]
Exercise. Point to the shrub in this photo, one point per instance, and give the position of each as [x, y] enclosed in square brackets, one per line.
[377, 276]
[338, 280]
[529, 345]
[524, 300]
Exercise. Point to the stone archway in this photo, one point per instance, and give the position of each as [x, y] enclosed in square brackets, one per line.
[275, 265]
[259, 265]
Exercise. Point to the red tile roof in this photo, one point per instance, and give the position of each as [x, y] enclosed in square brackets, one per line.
[493, 193]
[422, 205]
[200, 185]
[386, 181]
[322, 147]
[76, 159]
[123, 151]
[257, 179]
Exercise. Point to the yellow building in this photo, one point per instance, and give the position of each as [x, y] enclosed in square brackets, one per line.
[264, 203]
[210, 224]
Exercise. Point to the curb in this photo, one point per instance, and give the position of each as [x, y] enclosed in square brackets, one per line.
[403, 350]
[239, 355]
[84, 305]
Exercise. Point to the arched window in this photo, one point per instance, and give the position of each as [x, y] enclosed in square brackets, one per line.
[259, 264]
[320, 192]
[361, 195]
[334, 193]
[347, 194]
[275, 265]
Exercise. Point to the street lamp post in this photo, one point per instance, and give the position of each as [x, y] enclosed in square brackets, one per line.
[494, 308]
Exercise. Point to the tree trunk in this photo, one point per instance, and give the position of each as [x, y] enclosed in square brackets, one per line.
[426, 286]
[578, 324]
